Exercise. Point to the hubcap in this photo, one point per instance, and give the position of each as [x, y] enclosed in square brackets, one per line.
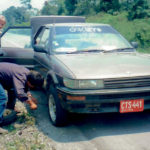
[52, 108]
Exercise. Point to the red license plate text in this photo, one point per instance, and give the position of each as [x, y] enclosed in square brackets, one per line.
[136, 105]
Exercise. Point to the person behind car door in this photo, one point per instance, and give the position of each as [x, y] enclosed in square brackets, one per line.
[2, 22]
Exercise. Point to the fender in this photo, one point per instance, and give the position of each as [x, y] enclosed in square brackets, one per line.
[51, 79]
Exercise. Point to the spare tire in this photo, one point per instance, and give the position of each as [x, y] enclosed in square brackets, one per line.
[9, 117]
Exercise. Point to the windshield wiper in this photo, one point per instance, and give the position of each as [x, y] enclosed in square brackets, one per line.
[86, 50]
[126, 49]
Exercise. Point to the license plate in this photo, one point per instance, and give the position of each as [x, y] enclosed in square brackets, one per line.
[136, 105]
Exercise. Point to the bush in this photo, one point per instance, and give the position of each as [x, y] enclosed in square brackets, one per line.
[143, 37]
[136, 30]
[84, 8]
[109, 6]
[139, 9]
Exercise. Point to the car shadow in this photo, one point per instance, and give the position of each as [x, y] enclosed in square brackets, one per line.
[83, 127]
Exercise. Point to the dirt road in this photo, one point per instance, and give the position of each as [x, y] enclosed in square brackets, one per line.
[95, 132]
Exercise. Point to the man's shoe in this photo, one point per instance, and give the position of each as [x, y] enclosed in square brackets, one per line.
[8, 117]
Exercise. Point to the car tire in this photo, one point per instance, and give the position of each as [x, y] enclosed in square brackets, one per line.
[9, 118]
[58, 116]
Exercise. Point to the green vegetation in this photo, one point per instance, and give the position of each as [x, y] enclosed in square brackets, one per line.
[20, 143]
[23, 135]
[23, 120]
[26, 119]
[136, 30]
[139, 9]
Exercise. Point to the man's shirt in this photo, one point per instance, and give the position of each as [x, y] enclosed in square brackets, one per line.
[14, 76]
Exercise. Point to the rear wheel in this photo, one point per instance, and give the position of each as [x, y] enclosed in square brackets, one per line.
[58, 115]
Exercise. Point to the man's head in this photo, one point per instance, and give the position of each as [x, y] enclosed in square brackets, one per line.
[35, 80]
[2, 21]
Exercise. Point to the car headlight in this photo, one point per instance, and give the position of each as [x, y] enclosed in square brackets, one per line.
[83, 84]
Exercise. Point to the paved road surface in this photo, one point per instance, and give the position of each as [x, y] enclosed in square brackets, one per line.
[96, 132]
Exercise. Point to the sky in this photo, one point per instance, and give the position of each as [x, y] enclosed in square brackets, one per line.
[4, 4]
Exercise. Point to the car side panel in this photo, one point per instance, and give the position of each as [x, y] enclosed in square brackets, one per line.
[18, 55]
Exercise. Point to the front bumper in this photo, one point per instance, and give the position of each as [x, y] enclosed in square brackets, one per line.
[102, 101]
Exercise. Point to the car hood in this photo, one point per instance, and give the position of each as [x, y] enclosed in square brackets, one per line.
[106, 65]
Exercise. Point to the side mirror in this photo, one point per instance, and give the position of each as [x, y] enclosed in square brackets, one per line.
[134, 44]
[38, 48]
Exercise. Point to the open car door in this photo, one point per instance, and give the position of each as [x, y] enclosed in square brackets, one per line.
[15, 46]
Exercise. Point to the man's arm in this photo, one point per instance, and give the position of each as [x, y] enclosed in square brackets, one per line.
[21, 94]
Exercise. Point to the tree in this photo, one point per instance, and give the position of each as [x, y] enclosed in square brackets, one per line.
[139, 9]
[70, 6]
[26, 3]
[126, 4]
[49, 9]
[85, 7]
[16, 15]
[109, 6]
[61, 7]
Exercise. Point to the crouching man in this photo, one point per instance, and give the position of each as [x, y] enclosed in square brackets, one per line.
[17, 80]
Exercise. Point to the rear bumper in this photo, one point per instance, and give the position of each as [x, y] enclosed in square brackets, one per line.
[102, 101]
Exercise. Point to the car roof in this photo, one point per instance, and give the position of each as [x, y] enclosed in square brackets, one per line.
[76, 24]
[37, 21]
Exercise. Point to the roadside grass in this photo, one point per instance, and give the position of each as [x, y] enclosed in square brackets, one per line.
[19, 143]
[20, 137]
[128, 29]
[24, 119]
[27, 119]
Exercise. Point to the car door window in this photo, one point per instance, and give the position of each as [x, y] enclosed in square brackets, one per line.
[16, 37]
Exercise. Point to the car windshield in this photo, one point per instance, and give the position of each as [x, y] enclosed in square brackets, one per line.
[72, 39]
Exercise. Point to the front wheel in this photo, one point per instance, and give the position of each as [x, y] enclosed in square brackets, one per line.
[58, 115]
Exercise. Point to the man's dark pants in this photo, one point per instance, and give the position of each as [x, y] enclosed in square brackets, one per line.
[2, 102]
[11, 99]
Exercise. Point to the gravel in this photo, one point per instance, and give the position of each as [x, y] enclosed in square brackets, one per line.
[24, 133]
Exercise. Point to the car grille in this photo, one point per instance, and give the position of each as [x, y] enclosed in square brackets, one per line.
[127, 82]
